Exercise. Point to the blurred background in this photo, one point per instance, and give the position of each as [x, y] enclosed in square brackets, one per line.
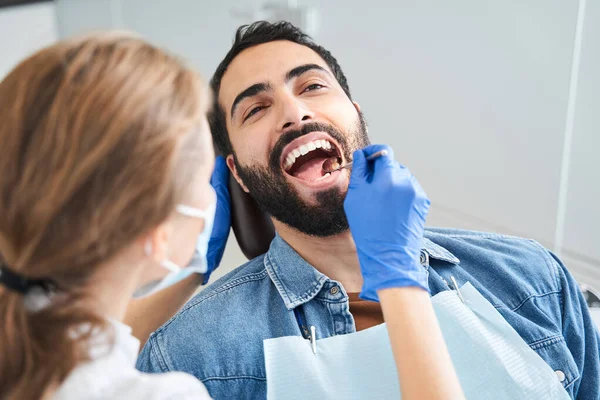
[492, 104]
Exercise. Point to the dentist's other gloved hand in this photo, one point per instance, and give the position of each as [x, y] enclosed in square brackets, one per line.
[386, 209]
[222, 224]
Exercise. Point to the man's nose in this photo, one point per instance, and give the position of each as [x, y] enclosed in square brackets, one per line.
[294, 113]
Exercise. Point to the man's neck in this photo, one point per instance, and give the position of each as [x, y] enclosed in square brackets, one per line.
[333, 256]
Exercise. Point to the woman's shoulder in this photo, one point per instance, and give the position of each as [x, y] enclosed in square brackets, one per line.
[170, 385]
[110, 377]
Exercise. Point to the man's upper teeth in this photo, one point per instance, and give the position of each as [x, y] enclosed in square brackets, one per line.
[304, 149]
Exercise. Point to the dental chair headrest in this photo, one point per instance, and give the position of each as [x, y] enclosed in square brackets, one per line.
[252, 227]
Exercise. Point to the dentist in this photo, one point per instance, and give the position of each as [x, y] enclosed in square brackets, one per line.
[105, 187]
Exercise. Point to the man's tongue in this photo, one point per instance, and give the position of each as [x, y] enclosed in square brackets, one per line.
[311, 169]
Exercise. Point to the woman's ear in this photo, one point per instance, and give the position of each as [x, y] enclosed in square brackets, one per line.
[233, 169]
[156, 243]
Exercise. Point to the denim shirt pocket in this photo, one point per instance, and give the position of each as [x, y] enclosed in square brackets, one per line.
[557, 355]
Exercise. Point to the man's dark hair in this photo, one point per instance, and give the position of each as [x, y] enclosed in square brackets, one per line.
[249, 36]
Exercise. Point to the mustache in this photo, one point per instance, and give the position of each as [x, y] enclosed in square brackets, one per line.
[290, 136]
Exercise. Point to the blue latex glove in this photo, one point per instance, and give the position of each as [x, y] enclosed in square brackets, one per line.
[222, 224]
[386, 209]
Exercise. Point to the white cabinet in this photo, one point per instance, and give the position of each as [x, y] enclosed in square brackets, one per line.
[581, 240]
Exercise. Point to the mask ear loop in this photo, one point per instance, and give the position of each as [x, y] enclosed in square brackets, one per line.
[191, 211]
[184, 210]
[170, 265]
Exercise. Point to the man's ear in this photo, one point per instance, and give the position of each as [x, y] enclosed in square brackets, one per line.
[357, 106]
[233, 169]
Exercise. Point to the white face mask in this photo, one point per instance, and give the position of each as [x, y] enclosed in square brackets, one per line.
[198, 264]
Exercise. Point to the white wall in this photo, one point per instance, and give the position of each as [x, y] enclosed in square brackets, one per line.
[81, 16]
[472, 94]
[23, 30]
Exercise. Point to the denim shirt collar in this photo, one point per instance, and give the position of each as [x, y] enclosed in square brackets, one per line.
[299, 282]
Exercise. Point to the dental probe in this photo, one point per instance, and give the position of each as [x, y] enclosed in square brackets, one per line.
[332, 164]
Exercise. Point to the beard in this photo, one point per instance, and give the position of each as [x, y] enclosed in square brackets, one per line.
[278, 198]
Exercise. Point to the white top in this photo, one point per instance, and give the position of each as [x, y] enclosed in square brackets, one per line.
[113, 376]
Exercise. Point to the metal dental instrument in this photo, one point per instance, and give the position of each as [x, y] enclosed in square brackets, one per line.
[460, 296]
[313, 339]
[332, 167]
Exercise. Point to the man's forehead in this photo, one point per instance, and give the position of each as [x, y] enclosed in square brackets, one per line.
[268, 62]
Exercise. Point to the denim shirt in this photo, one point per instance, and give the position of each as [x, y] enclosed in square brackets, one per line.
[218, 336]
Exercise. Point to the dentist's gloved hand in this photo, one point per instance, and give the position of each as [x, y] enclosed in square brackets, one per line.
[386, 209]
[222, 224]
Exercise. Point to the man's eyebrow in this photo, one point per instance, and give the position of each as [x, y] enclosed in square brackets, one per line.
[249, 92]
[296, 72]
[265, 86]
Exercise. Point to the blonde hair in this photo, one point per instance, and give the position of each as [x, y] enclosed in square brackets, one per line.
[99, 137]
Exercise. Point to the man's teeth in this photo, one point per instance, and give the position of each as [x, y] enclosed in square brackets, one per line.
[305, 149]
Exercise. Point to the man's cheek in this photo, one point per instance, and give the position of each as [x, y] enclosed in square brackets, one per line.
[247, 154]
[255, 150]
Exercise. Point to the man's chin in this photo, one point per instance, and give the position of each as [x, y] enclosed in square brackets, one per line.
[318, 230]
[314, 208]
[319, 213]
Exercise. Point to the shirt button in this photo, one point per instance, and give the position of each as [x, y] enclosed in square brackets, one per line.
[334, 290]
[560, 375]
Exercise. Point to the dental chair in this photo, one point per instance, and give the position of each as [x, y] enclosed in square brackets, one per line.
[252, 227]
[592, 297]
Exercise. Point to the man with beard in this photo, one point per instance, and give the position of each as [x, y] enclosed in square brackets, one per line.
[282, 108]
